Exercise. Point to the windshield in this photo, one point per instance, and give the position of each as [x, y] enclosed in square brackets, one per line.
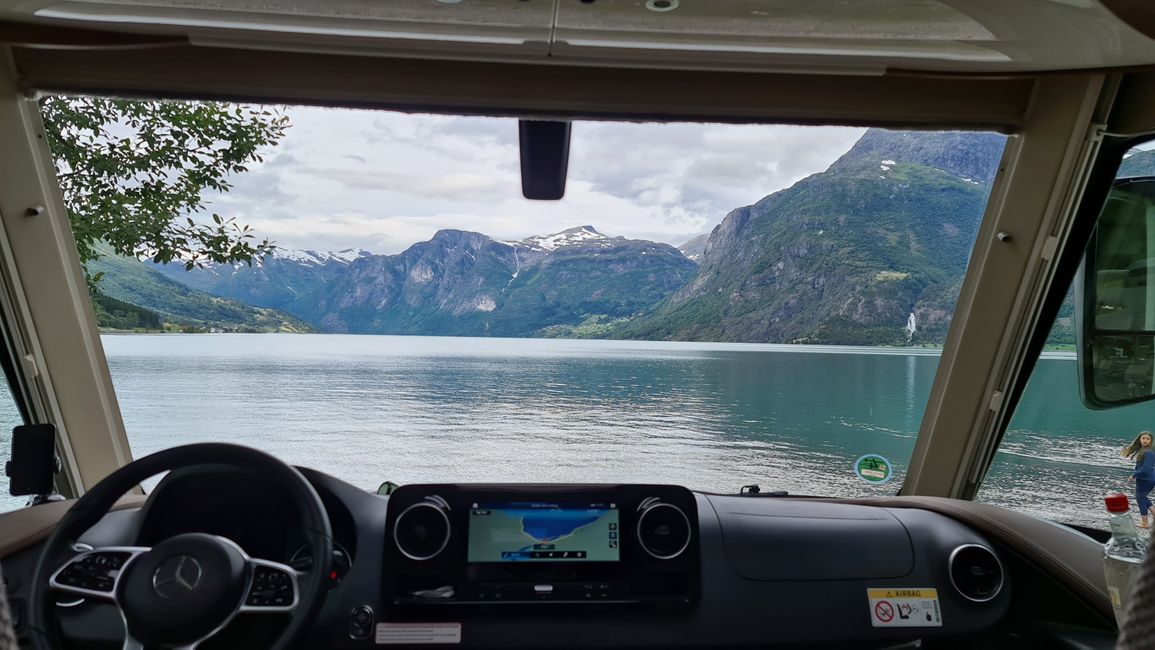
[709, 305]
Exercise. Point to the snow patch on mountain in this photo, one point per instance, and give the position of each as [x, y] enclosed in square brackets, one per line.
[580, 236]
[319, 258]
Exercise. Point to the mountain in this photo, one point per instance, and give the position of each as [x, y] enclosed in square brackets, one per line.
[285, 280]
[695, 246]
[460, 283]
[844, 256]
[131, 293]
[851, 255]
[1140, 163]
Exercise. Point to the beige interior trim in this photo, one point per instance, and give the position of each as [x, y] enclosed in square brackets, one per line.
[528, 89]
[1005, 279]
[22, 528]
[40, 254]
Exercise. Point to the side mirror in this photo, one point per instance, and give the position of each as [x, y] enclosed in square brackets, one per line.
[32, 468]
[1115, 300]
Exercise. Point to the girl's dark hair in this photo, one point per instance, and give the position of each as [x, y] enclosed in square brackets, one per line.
[1130, 450]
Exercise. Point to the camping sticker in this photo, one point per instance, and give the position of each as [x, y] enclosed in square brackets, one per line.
[873, 469]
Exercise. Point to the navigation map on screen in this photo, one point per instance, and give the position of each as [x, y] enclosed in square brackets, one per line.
[543, 532]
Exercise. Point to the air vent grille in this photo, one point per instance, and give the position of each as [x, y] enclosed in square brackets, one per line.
[663, 530]
[976, 572]
[421, 531]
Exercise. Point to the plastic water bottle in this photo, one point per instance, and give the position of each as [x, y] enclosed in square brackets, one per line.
[1122, 555]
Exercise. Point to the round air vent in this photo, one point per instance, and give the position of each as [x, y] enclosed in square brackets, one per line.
[663, 530]
[976, 572]
[421, 531]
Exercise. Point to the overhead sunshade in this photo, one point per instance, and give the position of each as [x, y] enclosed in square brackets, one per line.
[863, 37]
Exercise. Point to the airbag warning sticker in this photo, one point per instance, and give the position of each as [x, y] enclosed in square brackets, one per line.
[418, 633]
[904, 608]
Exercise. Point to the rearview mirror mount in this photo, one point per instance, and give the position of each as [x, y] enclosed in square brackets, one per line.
[544, 158]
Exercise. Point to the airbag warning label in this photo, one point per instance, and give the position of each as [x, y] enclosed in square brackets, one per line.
[904, 608]
[418, 633]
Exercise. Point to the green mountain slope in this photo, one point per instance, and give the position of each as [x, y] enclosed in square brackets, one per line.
[137, 284]
[845, 256]
[120, 315]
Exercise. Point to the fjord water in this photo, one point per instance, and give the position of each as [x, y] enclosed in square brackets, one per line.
[709, 416]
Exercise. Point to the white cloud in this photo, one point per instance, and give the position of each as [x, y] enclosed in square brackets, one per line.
[383, 181]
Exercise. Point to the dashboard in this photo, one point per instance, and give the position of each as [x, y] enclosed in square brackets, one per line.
[646, 566]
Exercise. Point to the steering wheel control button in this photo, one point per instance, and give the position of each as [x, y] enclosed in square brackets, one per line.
[422, 530]
[361, 622]
[271, 587]
[94, 571]
[663, 530]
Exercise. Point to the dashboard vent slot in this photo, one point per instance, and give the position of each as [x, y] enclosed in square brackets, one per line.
[663, 530]
[422, 530]
[976, 573]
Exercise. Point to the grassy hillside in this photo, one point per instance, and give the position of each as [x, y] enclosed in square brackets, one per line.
[128, 283]
[836, 259]
[119, 315]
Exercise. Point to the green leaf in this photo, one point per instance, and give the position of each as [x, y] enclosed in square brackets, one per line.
[133, 172]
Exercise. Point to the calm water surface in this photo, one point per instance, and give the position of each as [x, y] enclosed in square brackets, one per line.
[709, 416]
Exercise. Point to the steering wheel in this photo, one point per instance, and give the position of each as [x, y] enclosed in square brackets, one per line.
[188, 587]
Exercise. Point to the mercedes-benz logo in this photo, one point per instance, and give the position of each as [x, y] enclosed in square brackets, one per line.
[178, 575]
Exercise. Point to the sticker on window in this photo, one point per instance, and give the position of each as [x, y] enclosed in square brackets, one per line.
[873, 469]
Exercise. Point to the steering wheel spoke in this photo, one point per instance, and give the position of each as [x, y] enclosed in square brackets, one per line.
[273, 588]
[95, 573]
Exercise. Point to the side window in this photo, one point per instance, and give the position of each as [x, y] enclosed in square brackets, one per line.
[1058, 457]
[9, 419]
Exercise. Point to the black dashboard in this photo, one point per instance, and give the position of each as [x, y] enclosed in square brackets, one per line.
[534, 566]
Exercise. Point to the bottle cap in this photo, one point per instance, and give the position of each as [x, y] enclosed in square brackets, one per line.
[1117, 502]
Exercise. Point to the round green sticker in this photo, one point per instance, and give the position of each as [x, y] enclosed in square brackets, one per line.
[873, 469]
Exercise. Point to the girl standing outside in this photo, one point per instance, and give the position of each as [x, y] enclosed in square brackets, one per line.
[1144, 474]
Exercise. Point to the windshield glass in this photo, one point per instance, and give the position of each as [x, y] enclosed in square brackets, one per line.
[709, 305]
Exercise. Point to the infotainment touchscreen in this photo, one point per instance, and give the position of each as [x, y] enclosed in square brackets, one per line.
[530, 531]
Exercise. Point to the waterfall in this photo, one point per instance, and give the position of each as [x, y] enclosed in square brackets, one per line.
[911, 326]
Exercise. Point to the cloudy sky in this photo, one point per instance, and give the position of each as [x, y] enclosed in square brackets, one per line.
[383, 181]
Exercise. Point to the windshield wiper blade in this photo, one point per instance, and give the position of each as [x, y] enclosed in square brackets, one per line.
[754, 490]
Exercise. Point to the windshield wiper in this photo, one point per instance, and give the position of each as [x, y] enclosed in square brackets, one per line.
[754, 490]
